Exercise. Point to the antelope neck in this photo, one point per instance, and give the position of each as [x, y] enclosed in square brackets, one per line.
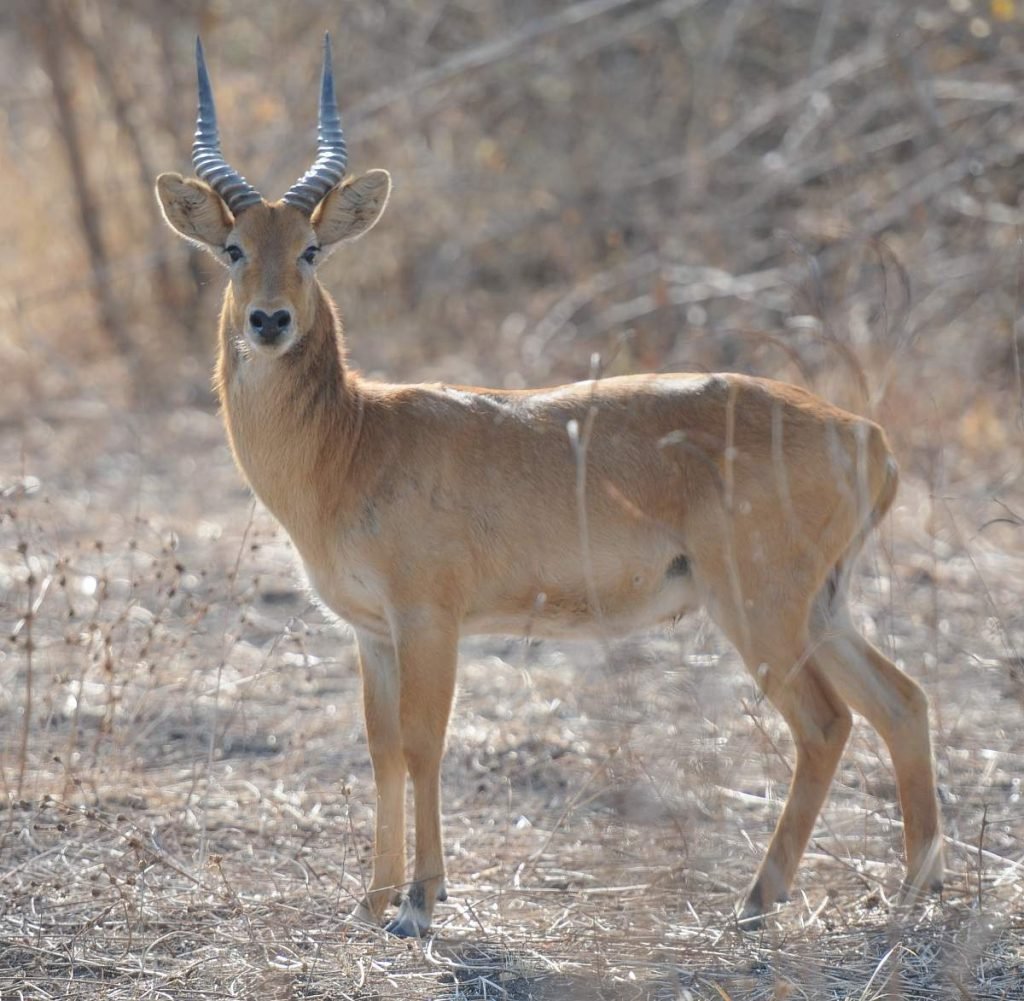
[293, 421]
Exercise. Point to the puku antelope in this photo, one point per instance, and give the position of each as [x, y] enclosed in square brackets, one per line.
[422, 512]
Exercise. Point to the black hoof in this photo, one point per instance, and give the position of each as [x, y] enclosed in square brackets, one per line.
[750, 919]
[403, 928]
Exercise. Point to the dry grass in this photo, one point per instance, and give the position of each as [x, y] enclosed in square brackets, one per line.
[189, 812]
[820, 191]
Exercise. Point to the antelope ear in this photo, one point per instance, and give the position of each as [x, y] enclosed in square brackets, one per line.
[194, 210]
[352, 208]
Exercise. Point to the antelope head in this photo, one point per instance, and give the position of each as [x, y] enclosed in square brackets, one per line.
[271, 249]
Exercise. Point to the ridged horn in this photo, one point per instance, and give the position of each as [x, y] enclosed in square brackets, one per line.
[207, 158]
[329, 167]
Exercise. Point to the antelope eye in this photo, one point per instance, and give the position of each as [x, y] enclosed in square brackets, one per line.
[234, 252]
[309, 254]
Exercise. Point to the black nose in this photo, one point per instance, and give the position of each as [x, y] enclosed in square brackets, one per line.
[269, 328]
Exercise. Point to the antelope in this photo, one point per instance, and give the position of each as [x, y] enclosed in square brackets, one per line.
[424, 512]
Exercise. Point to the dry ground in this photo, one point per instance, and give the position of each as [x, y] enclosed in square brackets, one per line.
[188, 790]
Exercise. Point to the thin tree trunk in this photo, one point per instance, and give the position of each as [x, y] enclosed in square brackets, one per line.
[50, 28]
[120, 105]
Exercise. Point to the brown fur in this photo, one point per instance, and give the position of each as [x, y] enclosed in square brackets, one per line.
[424, 511]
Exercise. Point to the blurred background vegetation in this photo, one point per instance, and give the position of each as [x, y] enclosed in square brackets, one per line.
[824, 191]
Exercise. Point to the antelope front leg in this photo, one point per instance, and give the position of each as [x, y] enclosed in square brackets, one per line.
[427, 654]
[381, 688]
